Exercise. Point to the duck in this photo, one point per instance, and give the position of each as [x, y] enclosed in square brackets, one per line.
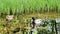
[36, 22]
[9, 17]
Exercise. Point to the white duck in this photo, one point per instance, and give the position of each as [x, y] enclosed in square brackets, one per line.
[9, 17]
[36, 22]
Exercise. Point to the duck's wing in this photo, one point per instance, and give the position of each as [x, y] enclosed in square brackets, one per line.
[38, 21]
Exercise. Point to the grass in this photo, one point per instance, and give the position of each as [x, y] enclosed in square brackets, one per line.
[19, 6]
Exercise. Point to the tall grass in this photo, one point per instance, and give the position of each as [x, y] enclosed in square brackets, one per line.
[29, 6]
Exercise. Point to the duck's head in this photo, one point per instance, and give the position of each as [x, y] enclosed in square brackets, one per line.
[33, 18]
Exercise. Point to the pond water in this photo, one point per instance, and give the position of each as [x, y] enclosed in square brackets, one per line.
[49, 27]
[35, 31]
[57, 20]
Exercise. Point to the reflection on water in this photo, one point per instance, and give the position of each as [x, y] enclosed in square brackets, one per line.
[49, 27]
[57, 20]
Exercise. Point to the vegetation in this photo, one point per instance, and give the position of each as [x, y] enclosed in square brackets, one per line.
[22, 22]
[29, 6]
[23, 10]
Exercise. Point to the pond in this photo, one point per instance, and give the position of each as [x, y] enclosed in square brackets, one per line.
[23, 21]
